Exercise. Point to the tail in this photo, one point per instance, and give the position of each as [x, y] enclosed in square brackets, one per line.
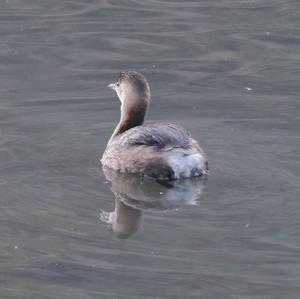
[188, 165]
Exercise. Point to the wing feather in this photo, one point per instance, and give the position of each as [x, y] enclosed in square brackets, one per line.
[160, 135]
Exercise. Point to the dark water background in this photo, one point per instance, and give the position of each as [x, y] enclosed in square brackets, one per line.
[228, 70]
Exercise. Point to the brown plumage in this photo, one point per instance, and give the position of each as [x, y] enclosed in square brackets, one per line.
[161, 150]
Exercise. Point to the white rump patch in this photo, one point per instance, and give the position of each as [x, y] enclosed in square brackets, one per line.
[185, 166]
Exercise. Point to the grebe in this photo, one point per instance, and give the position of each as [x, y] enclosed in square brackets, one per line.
[162, 151]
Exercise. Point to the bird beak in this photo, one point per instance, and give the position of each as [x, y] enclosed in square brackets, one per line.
[112, 86]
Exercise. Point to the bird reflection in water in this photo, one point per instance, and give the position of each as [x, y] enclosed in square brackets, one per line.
[135, 194]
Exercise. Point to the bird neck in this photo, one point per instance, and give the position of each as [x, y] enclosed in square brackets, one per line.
[130, 118]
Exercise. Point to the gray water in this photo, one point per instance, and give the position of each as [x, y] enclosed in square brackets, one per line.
[227, 70]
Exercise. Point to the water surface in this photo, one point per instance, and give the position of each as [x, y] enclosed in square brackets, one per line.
[226, 70]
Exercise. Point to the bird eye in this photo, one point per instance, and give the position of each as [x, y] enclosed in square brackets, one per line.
[118, 84]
